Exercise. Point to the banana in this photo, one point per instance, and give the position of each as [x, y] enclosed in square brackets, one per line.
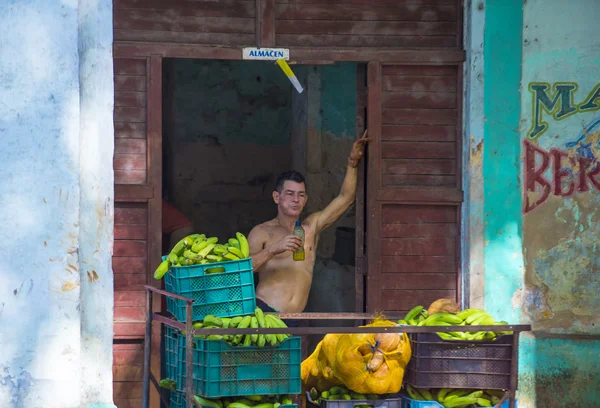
[214, 258]
[203, 402]
[245, 323]
[198, 240]
[217, 269]
[178, 248]
[254, 325]
[260, 317]
[238, 405]
[276, 322]
[484, 402]
[231, 257]
[460, 402]
[173, 258]
[234, 243]
[235, 321]
[446, 336]
[339, 390]
[219, 249]
[426, 394]
[442, 394]
[200, 246]
[236, 252]
[198, 325]
[264, 405]
[286, 401]
[162, 269]
[356, 396]
[414, 312]
[206, 250]
[475, 394]
[168, 384]
[456, 394]
[256, 398]
[475, 316]
[464, 314]
[244, 247]
[212, 320]
[189, 240]
[412, 322]
[247, 340]
[449, 317]
[413, 393]
[191, 255]
[226, 322]
[214, 337]
[483, 320]
[261, 340]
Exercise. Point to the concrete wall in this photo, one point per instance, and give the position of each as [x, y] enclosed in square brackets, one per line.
[541, 196]
[56, 300]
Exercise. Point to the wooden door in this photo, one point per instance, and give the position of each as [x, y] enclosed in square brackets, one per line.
[138, 177]
[413, 185]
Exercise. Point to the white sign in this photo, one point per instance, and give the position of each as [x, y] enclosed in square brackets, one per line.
[268, 54]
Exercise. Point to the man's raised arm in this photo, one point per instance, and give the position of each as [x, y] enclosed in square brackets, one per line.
[342, 202]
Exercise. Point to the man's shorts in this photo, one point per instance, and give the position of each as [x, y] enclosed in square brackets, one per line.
[289, 322]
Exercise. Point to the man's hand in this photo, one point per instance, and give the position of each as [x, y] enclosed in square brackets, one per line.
[358, 150]
[289, 243]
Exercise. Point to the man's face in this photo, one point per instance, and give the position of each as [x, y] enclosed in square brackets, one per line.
[292, 198]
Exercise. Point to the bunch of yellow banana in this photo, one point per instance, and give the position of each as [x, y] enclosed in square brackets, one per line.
[473, 317]
[255, 321]
[198, 249]
[456, 398]
[339, 392]
[254, 401]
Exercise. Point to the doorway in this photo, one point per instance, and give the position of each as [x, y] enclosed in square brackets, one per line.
[231, 127]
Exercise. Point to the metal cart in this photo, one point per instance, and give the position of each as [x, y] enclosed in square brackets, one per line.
[148, 377]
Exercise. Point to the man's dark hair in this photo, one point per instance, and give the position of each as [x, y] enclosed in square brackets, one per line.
[291, 175]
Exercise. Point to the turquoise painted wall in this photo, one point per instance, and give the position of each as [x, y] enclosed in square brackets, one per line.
[541, 255]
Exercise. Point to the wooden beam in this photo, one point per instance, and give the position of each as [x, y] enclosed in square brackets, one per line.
[405, 56]
[154, 120]
[133, 193]
[265, 23]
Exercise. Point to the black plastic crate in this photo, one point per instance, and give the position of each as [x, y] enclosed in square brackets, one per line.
[438, 363]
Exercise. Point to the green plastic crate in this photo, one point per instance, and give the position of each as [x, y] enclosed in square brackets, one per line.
[221, 370]
[226, 294]
[171, 340]
[177, 400]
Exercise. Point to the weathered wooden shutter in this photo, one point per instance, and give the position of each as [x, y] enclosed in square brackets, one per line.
[413, 184]
[137, 166]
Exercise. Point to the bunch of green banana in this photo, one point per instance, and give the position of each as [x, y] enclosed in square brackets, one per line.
[198, 249]
[415, 316]
[473, 317]
[255, 401]
[456, 398]
[255, 321]
[342, 393]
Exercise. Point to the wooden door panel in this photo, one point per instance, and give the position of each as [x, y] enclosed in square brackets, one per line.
[413, 185]
[137, 228]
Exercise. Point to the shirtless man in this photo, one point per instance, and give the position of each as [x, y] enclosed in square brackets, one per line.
[284, 284]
